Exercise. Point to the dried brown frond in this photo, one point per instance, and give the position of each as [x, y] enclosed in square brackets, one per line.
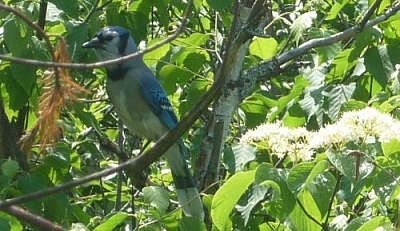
[58, 90]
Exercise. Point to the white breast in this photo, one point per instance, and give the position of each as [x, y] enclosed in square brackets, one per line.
[133, 110]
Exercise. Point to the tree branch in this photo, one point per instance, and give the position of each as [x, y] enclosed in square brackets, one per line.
[32, 219]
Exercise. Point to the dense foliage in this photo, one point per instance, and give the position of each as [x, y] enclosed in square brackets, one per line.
[313, 145]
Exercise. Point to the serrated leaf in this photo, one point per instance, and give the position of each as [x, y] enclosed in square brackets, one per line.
[257, 192]
[112, 222]
[227, 196]
[157, 197]
[243, 154]
[377, 62]
[302, 23]
[337, 96]
[264, 48]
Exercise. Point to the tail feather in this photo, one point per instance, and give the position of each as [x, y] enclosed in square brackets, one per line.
[188, 196]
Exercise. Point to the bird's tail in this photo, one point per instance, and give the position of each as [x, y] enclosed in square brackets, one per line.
[186, 190]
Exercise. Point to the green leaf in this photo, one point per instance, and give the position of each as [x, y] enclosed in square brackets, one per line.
[256, 108]
[162, 12]
[390, 104]
[151, 58]
[17, 35]
[325, 53]
[10, 223]
[191, 224]
[391, 147]
[282, 207]
[76, 35]
[301, 24]
[112, 222]
[384, 184]
[276, 190]
[353, 105]
[298, 176]
[69, 7]
[297, 90]
[157, 197]
[10, 168]
[337, 96]
[346, 164]
[322, 189]
[341, 66]
[256, 194]
[219, 5]
[194, 40]
[375, 223]
[243, 154]
[356, 223]
[299, 220]
[294, 116]
[264, 48]
[377, 62]
[227, 196]
[337, 7]
[196, 90]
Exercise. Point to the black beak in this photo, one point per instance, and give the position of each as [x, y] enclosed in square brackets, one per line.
[94, 43]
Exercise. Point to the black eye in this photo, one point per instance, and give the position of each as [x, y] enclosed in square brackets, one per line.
[108, 38]
[104, 38]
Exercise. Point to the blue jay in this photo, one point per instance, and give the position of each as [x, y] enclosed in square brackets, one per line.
[143, 107]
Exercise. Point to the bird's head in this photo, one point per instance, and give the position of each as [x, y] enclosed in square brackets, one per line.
[112, 42]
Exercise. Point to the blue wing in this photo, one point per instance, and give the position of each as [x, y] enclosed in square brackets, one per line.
[158, 100]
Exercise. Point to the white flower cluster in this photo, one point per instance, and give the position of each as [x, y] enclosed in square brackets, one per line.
[359, 127]
[281, 141]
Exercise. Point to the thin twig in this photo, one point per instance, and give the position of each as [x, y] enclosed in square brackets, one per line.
[307, 214]
[337, 185]
[33, 62]
[369, 14]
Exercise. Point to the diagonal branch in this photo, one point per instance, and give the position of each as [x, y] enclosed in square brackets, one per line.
[33, 219]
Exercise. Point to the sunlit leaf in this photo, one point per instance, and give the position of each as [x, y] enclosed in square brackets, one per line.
[157, 197]
[112, 222]
[227, 196]
[264, 48]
